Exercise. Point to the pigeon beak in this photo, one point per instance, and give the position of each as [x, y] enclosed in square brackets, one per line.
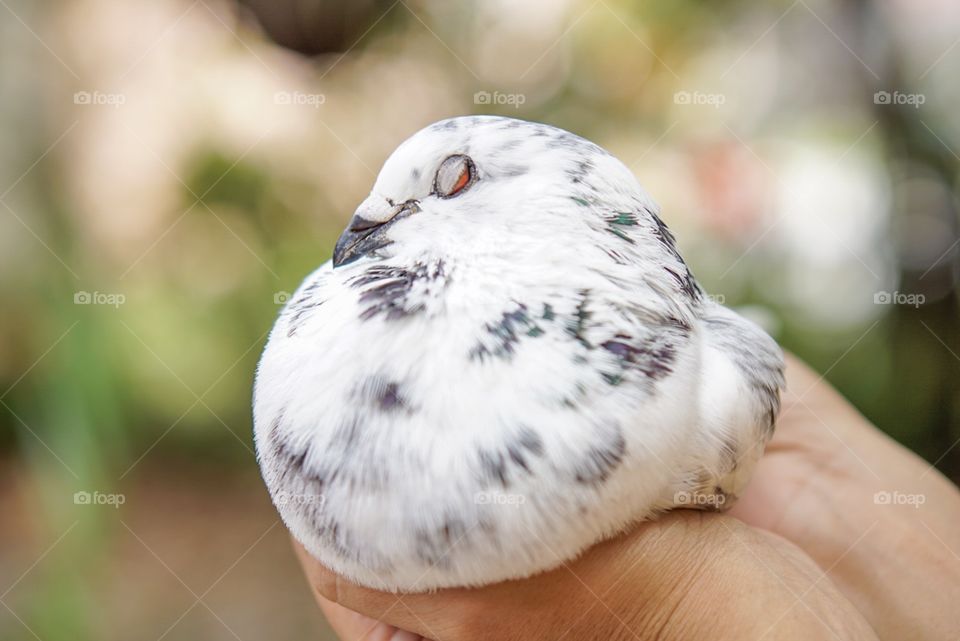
[366, 231]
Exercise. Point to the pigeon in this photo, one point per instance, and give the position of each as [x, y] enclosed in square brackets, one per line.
[505, 362]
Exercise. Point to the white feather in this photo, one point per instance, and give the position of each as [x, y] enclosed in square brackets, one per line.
[525, 369]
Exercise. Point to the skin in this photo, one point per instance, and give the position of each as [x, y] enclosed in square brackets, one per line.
[807, 552]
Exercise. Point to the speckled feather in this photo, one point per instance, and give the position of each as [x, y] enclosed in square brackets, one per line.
[509, 375]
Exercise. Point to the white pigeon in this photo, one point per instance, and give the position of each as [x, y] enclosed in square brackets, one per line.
[505, 362]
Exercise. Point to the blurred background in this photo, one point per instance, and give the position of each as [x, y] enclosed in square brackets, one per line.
[171, 169]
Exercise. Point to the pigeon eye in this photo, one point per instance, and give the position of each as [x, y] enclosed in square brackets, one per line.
[455, 174]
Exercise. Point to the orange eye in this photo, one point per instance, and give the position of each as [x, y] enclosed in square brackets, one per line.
[455, 174]
[462, 181]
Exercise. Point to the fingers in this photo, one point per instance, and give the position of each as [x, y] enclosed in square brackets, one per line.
[688, 575]
[429, 615]
[450, 614]
[544, 606]
[353, 626]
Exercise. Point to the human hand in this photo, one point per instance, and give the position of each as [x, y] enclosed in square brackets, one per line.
[881, 521]
[697, 574]
[687, 575]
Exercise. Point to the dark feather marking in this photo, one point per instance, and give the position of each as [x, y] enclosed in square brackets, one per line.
[451, 124]
[612, 379]
[576, 398]
[531, 441]
[384, 394]
[540, 132]
[579, 323]
[386, 289]
[601, 460]
[685, 280]
[292, 461]
[434, 544]
[663, 234]
[623, 218]
[301, 307]
[616, 256]
[621, 234]
[296, 480]
[618, 220]
[346, 461]
[680, 325]
[653, 356]
[498, 466]
[505, 334]
[580, 170]
[569, 141]
[335, 537]
[391, 398]
[494, 467]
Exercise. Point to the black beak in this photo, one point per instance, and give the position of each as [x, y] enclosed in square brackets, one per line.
[360, 237]
[363, 236]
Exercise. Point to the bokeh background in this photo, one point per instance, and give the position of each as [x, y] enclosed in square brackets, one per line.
[170, 169]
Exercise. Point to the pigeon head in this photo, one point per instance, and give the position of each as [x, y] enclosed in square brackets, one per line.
[484, 187]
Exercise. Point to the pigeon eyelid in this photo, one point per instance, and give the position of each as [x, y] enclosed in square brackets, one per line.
[455, 174]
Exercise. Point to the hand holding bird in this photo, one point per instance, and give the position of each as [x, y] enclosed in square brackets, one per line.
[797, 557]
